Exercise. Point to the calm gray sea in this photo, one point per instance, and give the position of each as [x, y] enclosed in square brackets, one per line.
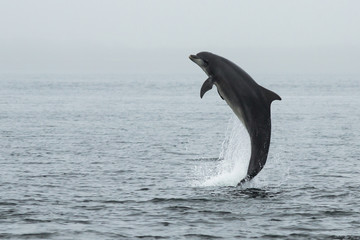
[143, 157]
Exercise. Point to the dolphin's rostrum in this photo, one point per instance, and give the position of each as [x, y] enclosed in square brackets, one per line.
[249, 101]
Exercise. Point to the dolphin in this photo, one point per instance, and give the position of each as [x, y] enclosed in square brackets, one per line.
[249, 101]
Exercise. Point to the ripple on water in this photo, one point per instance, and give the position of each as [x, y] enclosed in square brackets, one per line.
[37, 235]
[201, 236]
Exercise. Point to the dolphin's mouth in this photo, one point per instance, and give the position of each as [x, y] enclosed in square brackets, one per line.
[193, 58]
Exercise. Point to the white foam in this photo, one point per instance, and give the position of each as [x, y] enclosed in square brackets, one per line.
[234, 158]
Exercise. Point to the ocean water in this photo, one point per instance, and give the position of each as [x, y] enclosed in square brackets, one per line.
[143, 157]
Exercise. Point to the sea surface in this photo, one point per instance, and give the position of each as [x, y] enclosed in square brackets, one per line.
[143, 157]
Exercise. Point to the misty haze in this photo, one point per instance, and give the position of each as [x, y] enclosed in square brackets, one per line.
[126, 36]
[114, 125]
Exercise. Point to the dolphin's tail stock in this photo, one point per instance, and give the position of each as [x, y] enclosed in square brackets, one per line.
[260, 135]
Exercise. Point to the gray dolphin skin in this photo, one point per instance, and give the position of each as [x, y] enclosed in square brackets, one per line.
[249, 101]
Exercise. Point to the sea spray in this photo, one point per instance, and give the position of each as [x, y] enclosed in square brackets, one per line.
[233, 159]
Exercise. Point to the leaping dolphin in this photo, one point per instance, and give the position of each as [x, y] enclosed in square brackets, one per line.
[249, 101]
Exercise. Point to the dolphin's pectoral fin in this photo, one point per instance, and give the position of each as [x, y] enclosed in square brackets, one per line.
[207, 85]
[220, 95]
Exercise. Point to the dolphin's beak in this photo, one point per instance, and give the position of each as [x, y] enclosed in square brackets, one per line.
[193, 58]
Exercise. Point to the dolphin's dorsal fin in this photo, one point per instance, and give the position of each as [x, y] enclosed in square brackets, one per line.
[270, 95]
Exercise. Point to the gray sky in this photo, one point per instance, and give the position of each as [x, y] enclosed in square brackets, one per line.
[84, 36]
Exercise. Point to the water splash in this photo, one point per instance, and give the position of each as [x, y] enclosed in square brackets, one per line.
[234, 158]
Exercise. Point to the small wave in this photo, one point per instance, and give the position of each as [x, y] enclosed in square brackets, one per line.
[213, 159]
[174, 200]
[179, 208]
[320, 236]
[255, 193]
[338, 213]
[201, 236]
[40, 235]
[151, 237]
[33, 220]
[118, 201]
[7, 204]
[345, 237]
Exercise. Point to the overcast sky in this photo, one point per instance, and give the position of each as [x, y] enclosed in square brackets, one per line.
[84, 36]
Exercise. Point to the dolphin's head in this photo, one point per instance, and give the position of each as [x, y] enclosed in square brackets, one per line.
[207, 62]
[203, 59]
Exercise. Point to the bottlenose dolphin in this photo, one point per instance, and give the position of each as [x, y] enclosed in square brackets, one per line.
[249, 101]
